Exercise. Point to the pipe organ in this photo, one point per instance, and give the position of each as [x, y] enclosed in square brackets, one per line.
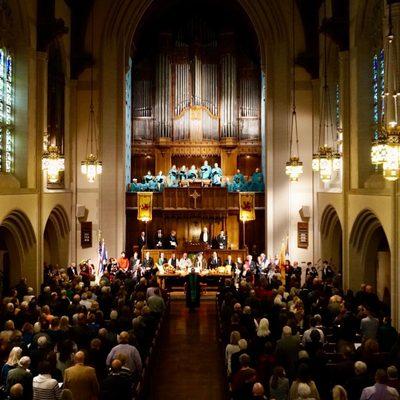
[197, 93]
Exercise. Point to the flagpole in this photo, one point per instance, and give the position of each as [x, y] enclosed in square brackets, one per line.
[244, 233]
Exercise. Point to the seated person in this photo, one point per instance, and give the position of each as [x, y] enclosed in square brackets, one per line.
[184, 262]
[230, 262]
[159, 240]
[173, 175]
[200, 262]
[160, 181]
[214, 261]
[192, 173]
[135, 186]
[204, 236]
[238, 182]
[134, 261]
[172, 240]
[221, 241]
[173, 261]
[216, 175]
[183, 173]
[123, 262]
[205, 171]
[148, 262]
[257, 181]
[161, 260]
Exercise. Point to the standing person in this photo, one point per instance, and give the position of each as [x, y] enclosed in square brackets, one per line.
[221, 240]
[81, 380]
[21, 375]
[117, 385]
[380, 391]
[205, 236]
[172, 240]
[216, 175]
[192, 290]
[159, 240]
[205, 171]
[142, 241]
[44, 386]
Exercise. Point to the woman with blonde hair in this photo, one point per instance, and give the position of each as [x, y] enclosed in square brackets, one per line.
[231, 348]
[12, 361]
[339, 393]
[263, 328]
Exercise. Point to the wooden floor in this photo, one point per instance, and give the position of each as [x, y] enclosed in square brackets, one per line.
[189, 364]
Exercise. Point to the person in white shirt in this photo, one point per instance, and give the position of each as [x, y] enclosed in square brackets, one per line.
[204, 236]
[184, 262]
[44, 386]
[313, 327]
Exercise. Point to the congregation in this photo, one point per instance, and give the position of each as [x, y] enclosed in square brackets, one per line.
[285, 340]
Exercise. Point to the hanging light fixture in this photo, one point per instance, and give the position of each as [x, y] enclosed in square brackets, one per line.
[390, 127]
[91, 166]
[294, 167]
[328, 159]
[52, 162]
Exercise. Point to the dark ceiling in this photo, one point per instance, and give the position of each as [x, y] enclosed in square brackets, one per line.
[49, 28]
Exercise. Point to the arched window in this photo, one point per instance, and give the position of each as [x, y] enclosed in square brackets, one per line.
[378, 89]
[7, 123]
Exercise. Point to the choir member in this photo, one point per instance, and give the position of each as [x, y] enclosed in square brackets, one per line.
[173, 176]
[160, 181]
[216, 175]
[205, 171]
[192, 173]
[238, 183]
[183, 173]
[221, 240]
[257, 181]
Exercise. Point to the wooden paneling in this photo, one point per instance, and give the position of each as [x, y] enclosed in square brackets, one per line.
[248, 163]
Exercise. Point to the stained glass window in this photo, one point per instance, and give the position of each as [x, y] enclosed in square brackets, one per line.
[378, 89]
[6, 112]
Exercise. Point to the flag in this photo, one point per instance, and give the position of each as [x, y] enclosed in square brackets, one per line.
[103, 255]
[282, 258]
[145, 206]
[247, 206]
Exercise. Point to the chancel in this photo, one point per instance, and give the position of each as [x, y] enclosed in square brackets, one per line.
[199, 199]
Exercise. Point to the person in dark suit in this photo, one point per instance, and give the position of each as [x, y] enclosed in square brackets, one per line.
[148, 261]
[205, 236]
[173, 261]
[117, 384]
[221, 240]
[72, 271]
[172, 242]
[142, 241]
[214, 261]
[230, 262]
[159, 240]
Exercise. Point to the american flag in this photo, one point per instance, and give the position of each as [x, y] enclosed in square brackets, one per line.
[103, 255]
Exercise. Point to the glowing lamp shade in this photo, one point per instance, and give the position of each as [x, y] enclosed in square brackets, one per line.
[378, 152]
[315, 163]
[91, 167]
[53, 163]
[391, 167]
[294, 168]
[337, 162]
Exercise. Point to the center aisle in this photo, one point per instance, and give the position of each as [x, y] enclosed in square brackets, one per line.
[189, 363]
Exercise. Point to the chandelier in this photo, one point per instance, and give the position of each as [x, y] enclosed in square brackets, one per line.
[327, 160]
[91, 166]
[385, 148]
[294, 167]
[53, 162]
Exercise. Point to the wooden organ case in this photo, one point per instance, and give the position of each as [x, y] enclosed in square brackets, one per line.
[196, 96]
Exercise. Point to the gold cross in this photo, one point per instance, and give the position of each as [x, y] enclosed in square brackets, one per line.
[195, 196]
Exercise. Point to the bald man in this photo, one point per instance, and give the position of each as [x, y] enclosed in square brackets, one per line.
[117, 385]
[133, 360]
[81, 380]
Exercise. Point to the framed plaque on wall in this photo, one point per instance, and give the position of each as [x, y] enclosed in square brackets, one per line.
[302, 235]
[86, 234]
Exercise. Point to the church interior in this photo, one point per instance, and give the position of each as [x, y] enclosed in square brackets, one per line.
[216, 155]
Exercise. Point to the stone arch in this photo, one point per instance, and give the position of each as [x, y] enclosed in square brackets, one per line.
[56, 237]
[370, 257]
[114, 43]
[332, 238]
[17, 249]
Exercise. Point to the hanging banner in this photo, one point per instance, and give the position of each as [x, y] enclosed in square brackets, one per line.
[247, 206]
[145, 206]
